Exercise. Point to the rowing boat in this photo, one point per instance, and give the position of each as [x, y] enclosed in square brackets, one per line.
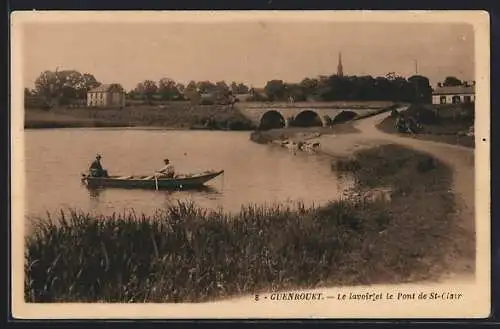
[150, 182]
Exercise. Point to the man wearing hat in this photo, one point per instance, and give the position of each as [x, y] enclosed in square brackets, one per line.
[96, 169]
[167, 171]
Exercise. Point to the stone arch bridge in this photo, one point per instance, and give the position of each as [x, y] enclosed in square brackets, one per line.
[286, 115]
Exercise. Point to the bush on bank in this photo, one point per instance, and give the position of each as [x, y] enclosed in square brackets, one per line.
[188, 254]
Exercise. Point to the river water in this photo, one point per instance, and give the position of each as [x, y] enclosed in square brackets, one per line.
[254, 174]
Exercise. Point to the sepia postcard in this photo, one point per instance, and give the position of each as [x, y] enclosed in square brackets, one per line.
[258, 164]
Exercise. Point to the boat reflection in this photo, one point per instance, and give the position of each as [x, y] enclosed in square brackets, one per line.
[95, 192]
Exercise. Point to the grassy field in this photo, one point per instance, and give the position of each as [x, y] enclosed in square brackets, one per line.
[450, 124]
[180, 115]
[188, 254]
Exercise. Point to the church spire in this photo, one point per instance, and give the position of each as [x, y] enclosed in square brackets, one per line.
[340, 69]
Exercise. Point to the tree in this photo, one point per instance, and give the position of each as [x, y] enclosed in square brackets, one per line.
[191, 86]
[363, 88]
[221, 93]
[295, 92]
[243, 88]
[400, 89]
[310, 86]
[147, 89]
[89, 82]
[334, 88]
[73, 85]
[180, 87]
[422, 87]
[239, 88]
[205, 87]
[234, 87]
[391, 76]
[191, 93]
[451, 82]
[222, 86]
[48, 86]
[117, 87]
[275, 90]
[168, 89]
[64, 86]
[382, 88]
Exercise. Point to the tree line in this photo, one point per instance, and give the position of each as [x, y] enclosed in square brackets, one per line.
[391, 87]
[61, 87]
[70, 86]
[169, 90]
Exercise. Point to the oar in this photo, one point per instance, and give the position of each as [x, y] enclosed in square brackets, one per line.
[156, 181]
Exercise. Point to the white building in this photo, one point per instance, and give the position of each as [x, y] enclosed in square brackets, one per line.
[453, 95]
[111, 95]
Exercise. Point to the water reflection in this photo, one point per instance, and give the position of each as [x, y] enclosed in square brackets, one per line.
[95, 192]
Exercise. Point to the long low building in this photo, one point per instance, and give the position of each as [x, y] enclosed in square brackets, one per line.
[454, 95]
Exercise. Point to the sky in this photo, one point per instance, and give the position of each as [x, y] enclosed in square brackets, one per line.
[248, 52]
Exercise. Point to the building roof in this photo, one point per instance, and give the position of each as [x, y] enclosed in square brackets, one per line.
[105, 88]
[454, 90]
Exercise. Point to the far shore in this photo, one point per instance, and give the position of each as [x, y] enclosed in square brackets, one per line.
[179, 116]
[167, 116]
[110, 126]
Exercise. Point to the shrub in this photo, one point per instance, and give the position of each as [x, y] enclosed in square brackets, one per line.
[422, 113]
[346, 165]
[425, 164]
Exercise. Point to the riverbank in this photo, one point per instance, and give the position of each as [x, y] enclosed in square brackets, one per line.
[300, 133]
[189, 254]
[175, 115]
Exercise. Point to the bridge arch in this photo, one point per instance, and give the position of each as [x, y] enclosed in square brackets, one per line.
[344, 116]
[307, 118]
[271, 119]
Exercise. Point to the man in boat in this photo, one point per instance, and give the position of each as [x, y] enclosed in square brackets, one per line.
[96, 169]
[167, 170]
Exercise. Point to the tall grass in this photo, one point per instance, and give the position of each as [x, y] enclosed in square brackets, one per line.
[173, 114]
[188, 254]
